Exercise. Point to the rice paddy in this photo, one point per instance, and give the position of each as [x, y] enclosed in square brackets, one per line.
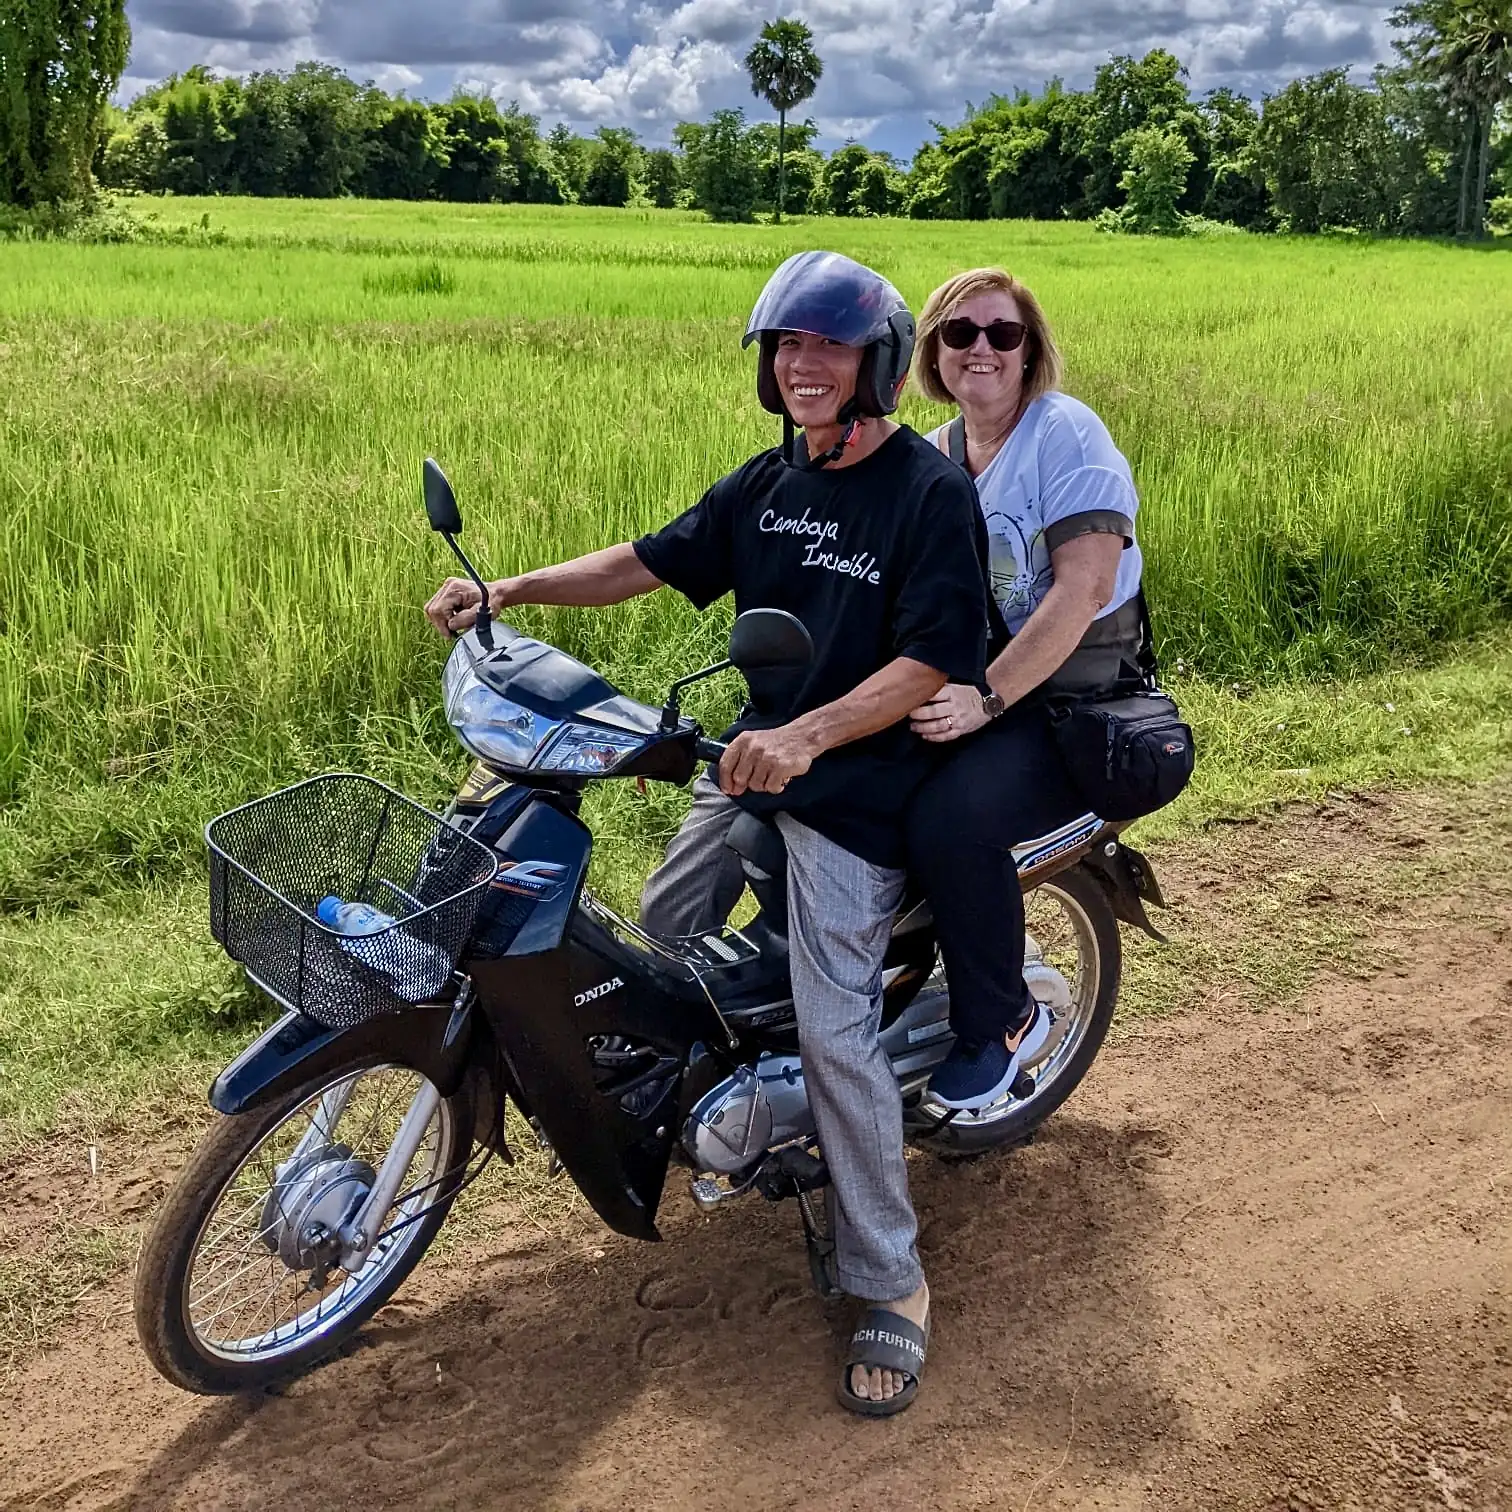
[212, 553]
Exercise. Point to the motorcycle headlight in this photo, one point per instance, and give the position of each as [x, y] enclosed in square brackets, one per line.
[495, 729]
[581, 748]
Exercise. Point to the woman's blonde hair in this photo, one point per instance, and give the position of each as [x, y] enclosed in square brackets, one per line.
[1045, 356]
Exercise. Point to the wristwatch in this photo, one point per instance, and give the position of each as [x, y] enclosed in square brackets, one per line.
[992, 704]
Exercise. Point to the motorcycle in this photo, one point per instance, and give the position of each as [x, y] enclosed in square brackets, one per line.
[488, 973]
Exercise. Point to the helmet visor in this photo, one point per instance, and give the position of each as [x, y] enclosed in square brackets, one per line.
[825, 294]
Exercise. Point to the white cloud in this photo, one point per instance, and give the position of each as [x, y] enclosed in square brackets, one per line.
[889, 64]
[726, 21]
[846, 128]
[397, 79]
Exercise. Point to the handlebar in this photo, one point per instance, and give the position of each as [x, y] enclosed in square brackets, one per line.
[709, 750]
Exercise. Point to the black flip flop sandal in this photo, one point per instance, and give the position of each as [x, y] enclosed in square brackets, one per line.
[885, 1341]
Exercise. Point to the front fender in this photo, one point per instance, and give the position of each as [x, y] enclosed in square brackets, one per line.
[296, 1049]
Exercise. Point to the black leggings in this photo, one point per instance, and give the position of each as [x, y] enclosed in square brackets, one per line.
[1004, 786]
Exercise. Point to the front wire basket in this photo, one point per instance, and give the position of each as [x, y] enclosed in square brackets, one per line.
[273, 860]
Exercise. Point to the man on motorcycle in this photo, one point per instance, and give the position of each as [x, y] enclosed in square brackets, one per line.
[874, 540]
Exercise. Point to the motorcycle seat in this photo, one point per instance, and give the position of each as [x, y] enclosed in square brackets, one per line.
[763, 857]
[760, 846]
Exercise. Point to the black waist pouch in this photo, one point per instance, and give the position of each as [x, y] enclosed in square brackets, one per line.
[1129, 755]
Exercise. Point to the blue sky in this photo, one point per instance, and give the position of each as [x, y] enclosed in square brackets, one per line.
[890, 66]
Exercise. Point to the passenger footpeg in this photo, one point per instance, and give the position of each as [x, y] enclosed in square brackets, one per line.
[926, 1120]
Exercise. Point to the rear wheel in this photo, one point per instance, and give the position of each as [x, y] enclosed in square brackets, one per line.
[1073, 963]
[240, 1281]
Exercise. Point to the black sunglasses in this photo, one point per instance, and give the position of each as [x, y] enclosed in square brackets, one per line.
[1002, 335]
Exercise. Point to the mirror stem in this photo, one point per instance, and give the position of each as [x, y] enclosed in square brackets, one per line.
[672, 709]
[483, 623]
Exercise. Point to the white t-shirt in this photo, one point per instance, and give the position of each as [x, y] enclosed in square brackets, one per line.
[1060, 463]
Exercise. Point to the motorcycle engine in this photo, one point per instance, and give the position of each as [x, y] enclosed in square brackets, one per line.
[748, 1113]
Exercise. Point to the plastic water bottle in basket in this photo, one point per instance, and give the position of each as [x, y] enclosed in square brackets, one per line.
[372, 937]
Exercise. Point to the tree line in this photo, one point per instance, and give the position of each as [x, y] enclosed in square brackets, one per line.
[315, 132]
[1420, 148]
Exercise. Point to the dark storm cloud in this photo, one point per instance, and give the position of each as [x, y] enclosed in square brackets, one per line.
[888, 64]
[265, 21]
[460, 33]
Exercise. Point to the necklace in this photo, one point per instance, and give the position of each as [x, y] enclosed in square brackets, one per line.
[994, 444]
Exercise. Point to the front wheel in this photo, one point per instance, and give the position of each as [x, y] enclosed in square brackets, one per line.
[240, 1282]
[1073, 963]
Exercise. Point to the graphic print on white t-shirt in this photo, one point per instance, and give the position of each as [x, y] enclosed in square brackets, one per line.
[1018, 582]
[1060, 461]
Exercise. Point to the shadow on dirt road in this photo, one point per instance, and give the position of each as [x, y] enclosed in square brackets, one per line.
[509, 1394]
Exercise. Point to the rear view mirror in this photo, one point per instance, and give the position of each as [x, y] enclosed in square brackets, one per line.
[445, 518]
[761, 640]
[440, 502]
[770, 640]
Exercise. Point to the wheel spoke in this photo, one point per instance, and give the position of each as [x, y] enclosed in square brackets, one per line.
[257, 1201]
[243, 1302]
[237, 1304]
[360, 1143]
[231, 1280]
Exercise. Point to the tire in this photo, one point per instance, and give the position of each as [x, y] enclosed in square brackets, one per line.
[1014, 1121]
[164, 1273]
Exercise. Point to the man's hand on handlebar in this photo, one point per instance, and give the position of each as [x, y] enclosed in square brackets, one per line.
[454, 607]
[765, 761]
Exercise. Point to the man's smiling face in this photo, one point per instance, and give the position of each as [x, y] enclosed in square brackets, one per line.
[816, 376]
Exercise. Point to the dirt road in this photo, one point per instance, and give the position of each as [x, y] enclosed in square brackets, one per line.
[1261, 1260]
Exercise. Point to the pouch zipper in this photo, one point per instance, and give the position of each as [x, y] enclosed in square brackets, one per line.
[1129, 730]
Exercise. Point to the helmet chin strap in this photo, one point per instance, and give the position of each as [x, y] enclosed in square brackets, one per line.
[849, 417]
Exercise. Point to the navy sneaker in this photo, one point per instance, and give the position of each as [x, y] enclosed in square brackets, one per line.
[975, 1074]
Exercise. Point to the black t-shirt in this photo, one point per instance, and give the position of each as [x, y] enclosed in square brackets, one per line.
[882, 559]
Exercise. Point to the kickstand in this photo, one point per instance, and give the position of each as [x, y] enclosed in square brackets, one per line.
[935, 1126]
[818, 1239]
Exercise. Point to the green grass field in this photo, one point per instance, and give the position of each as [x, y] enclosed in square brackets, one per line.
[212, 555]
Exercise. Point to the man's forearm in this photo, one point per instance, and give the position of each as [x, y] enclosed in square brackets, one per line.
[602, 577]
[882, 700]
[1040, 649]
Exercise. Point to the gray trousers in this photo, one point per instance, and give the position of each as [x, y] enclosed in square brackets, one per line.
[840, 913]
[698, 884]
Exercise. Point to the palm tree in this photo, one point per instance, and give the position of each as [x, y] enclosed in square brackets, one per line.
[1481, 56]
[784, 70]
[1465, 48]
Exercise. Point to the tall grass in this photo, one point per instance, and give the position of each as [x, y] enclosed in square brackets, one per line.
[212, 557]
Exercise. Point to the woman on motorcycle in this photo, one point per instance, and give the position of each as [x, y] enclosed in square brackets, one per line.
[1059, 503]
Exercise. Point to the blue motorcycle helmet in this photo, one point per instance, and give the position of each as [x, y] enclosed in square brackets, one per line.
[830, 295]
